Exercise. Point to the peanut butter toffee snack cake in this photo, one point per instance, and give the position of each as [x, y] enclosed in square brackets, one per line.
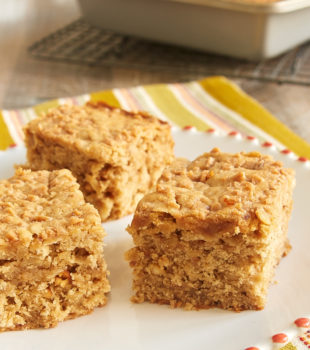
[116, 156]
[212, 232]
[51, 251]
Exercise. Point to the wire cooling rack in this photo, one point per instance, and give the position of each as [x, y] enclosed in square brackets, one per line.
[82, 43]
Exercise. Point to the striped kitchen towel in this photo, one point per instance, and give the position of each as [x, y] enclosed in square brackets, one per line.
[214, 103]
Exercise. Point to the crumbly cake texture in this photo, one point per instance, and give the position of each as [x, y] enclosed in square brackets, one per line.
[51, 251]
[212, 232]
[116, 156]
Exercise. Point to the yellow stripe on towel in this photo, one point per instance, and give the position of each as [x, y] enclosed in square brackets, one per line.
[233, 97]
[172, 108]
[106, 96]
[5, 137]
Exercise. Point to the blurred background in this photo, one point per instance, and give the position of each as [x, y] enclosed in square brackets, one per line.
[48, 50]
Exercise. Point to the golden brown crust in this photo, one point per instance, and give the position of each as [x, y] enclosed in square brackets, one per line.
[40, 206]
[99, 131]
[217, 192]
[104, 105]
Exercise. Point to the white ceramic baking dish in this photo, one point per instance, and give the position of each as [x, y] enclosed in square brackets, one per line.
[251, 30]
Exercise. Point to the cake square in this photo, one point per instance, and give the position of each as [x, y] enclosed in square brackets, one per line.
[212, 232]
[116, 156]
[51, 251]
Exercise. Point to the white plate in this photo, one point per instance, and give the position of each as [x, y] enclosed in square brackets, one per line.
[123, 325]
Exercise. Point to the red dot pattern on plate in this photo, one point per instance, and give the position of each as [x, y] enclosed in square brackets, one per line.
[233, 133]
[13, 145]
[249, 137]
[280, 338]
[302, 322]
[286, 151]
[187, 127]
[211, 130]
[267, 144]
[305, 341]
[302, 159]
